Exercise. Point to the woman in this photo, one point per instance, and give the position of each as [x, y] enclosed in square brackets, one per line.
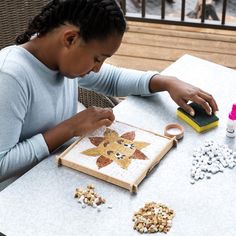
[64, 47]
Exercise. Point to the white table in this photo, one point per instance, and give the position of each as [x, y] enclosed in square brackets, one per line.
[41, 202]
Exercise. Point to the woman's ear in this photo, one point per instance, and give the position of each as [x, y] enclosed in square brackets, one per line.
[70, 37]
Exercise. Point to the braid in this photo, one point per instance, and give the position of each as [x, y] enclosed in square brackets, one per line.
[97, 19]
[38, 24]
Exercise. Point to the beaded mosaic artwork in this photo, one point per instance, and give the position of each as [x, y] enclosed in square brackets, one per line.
[121, 154]
[120, 149]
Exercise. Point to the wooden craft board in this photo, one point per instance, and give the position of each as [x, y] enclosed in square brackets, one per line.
[135, 171]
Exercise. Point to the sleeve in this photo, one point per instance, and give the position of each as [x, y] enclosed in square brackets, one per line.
[16, 156]
[115, 81]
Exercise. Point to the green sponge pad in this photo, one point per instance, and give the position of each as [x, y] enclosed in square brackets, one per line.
[201, 121]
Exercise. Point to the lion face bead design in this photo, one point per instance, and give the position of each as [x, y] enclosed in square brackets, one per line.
[114, 148]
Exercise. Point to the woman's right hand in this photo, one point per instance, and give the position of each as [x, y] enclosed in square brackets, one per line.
[90, 119]
[78, 125]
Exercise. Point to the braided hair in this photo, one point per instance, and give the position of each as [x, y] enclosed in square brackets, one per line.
[97, 19]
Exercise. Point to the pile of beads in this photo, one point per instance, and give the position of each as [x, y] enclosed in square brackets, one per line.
[211, 158]
[152, 218]
[89, 197]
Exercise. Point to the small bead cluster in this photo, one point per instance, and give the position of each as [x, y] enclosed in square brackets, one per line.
[211, 158]
[89, 197]
[152, 218]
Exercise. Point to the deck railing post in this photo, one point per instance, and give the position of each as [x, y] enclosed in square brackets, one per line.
[163, 6]
[143, 8]
[224, 12]
[203, 11]
[183, 10]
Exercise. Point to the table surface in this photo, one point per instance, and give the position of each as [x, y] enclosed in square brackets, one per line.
[42, 202]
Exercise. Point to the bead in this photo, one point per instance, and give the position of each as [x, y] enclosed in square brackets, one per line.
[208, 176]
[98, 208]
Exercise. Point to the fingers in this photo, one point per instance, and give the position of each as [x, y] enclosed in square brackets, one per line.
[106, 113]
[209, 99]
[204, 104]
[97, 113]
[104, 122]
[182, 103]
[204, 99]
[101, 117]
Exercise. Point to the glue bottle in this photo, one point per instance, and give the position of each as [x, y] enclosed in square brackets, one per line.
[231, 124]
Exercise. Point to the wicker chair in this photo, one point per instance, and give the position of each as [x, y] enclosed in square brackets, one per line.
[14, 17]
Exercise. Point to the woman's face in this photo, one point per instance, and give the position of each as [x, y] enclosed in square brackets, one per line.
[80, 58]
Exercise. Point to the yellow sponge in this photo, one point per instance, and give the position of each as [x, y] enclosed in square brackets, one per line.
[201, 121]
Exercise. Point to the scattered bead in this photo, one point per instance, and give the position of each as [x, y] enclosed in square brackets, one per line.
[98, 208]
[89, 197]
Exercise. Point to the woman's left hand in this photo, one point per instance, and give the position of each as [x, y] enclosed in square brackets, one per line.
[182, 92]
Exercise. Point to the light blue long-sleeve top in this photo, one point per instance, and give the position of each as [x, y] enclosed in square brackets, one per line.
[34, 98]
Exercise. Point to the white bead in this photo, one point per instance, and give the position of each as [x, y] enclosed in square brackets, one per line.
[211, 155]
[224, 163]
[81, 199]
[208, 175]
[209, 162]
[231, 165]
[194, 162]
[202, 175]
[192, 181]
[109, 206]
[214, 170]
[196, 177]
[206, 144]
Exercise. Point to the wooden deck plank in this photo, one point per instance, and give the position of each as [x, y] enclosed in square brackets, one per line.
[149, 46]
[183, 34]
[180, 43]
[161, 53]
[181, 28]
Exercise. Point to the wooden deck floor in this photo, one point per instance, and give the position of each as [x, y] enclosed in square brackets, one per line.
[148, 46]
